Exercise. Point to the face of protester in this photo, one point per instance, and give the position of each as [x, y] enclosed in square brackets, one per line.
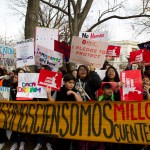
[111, 73]
[107, 92]
[82, 73]
[146, 81]
[21, 71]
[15, 79]
[69, 84]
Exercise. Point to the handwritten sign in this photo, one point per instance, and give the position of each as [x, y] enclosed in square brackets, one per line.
[85, 51]
[121, 122]
[28, 86]
[51, 79]
[25, 53]
[48, 57]
[132, 87]
[100, 36]
[4, 93]
[6, 55]
[45, 37]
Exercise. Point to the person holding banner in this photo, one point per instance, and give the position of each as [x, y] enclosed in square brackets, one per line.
[13, 92]
[66, 93]
[87, 83]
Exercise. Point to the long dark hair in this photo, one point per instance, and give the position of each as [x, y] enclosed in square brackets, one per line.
[116, 78]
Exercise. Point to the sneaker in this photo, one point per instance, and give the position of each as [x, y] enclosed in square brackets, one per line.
[2, 145]
[48, 145]
[14, 146]
[21, 146]
[38, 146]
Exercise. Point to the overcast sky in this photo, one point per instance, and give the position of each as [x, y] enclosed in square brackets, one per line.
[12, 26]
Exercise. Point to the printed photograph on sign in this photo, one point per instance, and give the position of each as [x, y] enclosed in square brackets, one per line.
[85, 51]
[45, 37]
[100, 36]
[4, 93]
[132, 89]
[28, 86]
[50, 79]
[48, 57]
[6, 55]
[25, 53]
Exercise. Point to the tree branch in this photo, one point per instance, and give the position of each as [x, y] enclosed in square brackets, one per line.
[56, 7]
[117, 17]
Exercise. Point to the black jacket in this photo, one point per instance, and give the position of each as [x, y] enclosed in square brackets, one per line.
[91, 84]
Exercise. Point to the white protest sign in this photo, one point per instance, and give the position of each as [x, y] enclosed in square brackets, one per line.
[28, 86]
[85, 51]
[100, 36]
[48, 57]
[45, 37]
[101, 73]
[4, 93]
[25, 53]
[6, 55]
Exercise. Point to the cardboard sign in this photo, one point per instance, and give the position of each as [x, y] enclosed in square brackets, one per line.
[121, 122]
[113, 51]
[85, 51]
[28, 86]
[51, 79]
[4, 93]
[132, 88]
[136, 56]
[25, 53]
[48, 57]
[45, 37]
[145, 45]
[63, 48]
[100, 36]
[6, 55]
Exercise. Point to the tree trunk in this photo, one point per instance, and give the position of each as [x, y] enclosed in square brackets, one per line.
[31, 20]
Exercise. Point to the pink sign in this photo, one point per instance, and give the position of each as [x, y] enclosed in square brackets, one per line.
[86, 51]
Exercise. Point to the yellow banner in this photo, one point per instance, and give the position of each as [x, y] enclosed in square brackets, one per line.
[123, 122]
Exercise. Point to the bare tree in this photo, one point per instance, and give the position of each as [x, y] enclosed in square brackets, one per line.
[77, 13]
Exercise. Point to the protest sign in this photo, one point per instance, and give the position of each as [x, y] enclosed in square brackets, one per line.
[113, 51]
[25, 53]
[100, 36]
[63, 48]
[85, 51]
[145, 45]
[28, 86]
[132, 88]
[4, 93]
[6, 55]
[111, 122]
[50, 79]
[48, 57]
[45, 37]
[136, 56]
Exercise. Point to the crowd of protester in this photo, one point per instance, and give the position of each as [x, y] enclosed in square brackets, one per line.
[80, 85]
